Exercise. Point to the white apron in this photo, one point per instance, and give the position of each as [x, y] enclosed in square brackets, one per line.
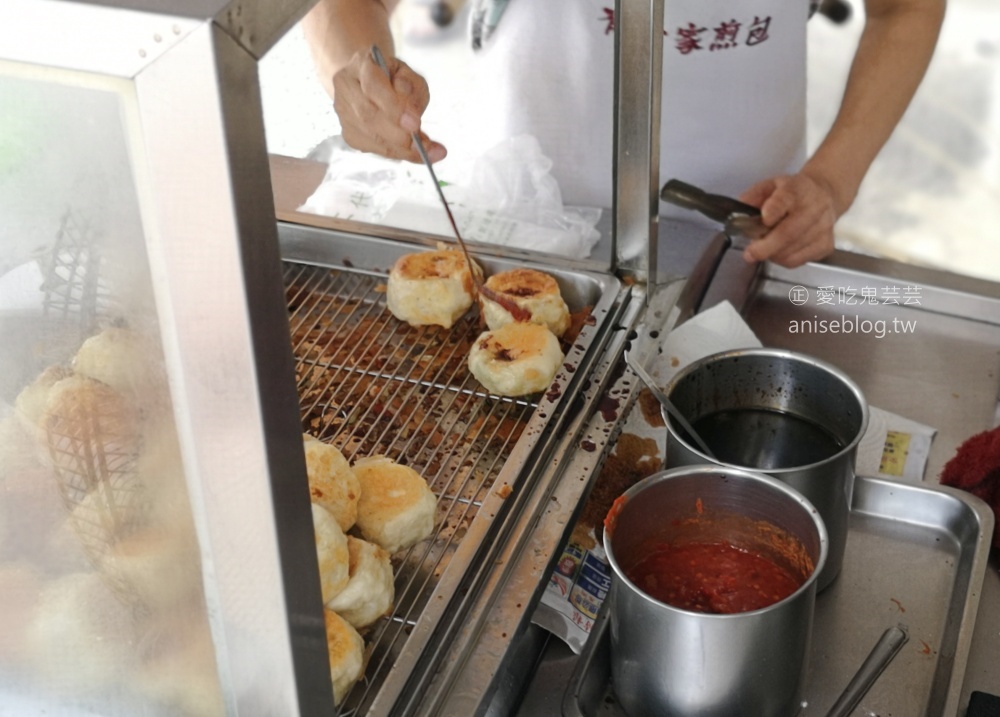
[734, 91]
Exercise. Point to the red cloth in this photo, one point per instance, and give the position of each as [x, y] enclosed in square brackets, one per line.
[976, 468]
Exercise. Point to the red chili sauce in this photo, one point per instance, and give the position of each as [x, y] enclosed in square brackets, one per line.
[712, 578]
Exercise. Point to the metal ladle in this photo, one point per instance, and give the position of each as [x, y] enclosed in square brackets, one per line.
[668, 404]
[881, 655]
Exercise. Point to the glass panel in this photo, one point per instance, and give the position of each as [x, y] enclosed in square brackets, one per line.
[102, 609]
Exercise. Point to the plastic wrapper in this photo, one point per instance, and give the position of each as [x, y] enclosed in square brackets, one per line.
[505, 196]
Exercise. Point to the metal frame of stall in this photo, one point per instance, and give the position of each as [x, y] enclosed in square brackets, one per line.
[185, 75]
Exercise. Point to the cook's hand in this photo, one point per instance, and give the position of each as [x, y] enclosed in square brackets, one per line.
[801, 211]
[377, 115]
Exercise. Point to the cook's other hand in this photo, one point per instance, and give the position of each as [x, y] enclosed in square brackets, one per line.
[378, 114]
[892, 55]
[800, 210]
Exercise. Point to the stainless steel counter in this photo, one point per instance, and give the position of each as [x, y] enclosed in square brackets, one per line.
[945, 373]
[941, 368]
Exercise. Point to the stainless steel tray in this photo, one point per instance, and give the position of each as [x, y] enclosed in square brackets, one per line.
[916, 555]
[370, 384]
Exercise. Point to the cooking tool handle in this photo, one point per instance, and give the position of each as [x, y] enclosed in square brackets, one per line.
[714, 206]
[665, 401]
[880, 656]
[380, 61]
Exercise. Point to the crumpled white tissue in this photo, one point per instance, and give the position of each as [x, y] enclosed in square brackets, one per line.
[505, 196]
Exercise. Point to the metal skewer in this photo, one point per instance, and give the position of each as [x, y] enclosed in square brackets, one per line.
[665, 401]
[380, 61]
[517, 312]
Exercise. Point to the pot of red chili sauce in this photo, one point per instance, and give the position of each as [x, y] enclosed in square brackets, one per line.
[712, 593]
[783, 413]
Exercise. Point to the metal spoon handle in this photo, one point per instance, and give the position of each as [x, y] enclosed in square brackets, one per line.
[668, 404]
[880, 656]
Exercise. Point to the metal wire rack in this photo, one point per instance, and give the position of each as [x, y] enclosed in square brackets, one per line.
[74, 285]
[370, 384]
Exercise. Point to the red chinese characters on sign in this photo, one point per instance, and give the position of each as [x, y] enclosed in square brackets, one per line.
[726, 34]
[758, 30]
[689, 38]
[609, 19]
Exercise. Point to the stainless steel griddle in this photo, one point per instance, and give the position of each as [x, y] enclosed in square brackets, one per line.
[373, 385]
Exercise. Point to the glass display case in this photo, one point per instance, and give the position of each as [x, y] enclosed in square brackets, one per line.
[167, 343]
[154, 559]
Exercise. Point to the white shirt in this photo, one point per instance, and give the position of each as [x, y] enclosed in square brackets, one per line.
[733, 101]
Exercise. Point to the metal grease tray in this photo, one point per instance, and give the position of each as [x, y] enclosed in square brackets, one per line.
[370, 384]
[916, 556]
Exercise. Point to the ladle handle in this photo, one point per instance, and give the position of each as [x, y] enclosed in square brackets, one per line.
[667, 404]
[880, 656]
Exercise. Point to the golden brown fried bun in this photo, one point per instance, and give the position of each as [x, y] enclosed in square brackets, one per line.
[347, 654]
[331, 551]
[370, 592]
[21, 585]
[431, 288]
[123, 359]
[332, 483]
[534, 291]
[33, 398]
[91, 430]
[81, 636]
[161, 568]
[397, 507]
[516, 359]
[179, 671]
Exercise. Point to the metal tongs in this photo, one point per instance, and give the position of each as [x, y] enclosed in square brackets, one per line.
[737, 218]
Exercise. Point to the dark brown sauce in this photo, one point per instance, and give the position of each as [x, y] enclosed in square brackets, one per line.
[765, 439]
[609, 408]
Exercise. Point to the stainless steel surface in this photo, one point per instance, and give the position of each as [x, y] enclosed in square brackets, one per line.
[946, 375]
[769, 386]
[638, 87]
[888, 645]
[135, 33]
[667, 404]
[372, 384]
[894, 527]
[217, 277]
[945, 372]
[190, 107]
[492, 654]
[669, 661]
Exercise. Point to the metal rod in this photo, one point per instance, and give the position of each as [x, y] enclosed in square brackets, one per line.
[880, 656]
[636, 170]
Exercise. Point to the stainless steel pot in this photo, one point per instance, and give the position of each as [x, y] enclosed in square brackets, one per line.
[668, 662]
[792, 416]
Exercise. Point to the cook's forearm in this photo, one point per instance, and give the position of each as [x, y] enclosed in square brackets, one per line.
[892, 57]
[337, 29]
